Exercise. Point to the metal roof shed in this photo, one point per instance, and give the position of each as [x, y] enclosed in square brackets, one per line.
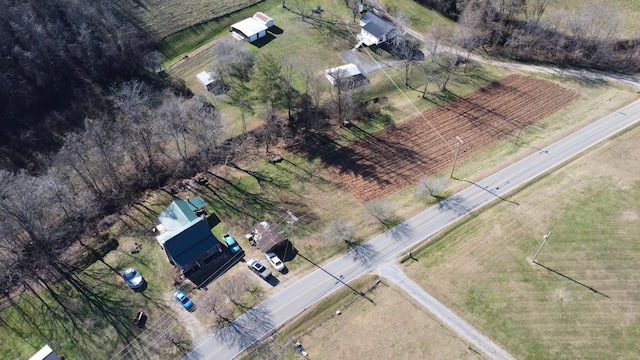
[344, 71]
[249, 29]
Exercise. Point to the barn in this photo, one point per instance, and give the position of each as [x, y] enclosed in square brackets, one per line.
[248, 29]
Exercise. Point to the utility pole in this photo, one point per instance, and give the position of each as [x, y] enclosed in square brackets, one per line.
[455, 158]
[545, 238]
[290, 222]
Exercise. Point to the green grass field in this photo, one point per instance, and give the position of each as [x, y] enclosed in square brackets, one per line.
[625, 13]
[583, 302]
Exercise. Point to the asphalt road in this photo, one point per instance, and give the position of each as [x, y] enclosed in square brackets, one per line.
[298, 296]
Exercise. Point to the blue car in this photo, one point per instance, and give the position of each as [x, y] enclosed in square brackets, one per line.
[183, 299]
[231, 242]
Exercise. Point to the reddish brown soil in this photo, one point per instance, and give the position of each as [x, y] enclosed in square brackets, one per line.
[397, 157]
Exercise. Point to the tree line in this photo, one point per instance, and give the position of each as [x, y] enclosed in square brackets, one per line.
[585, 37]
[56, 59]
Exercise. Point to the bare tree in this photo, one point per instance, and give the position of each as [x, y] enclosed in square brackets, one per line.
[173, 121]
[429, 74]
[534, 9]
[341, 96]
[408, 50]
[205, 126]
[289, 72]
[382, 211]
[232, 60]
[438, 34]
[452, 63]
[431, 186]
[315, 87]
[472, 30]
[340, 231]
[135, 122]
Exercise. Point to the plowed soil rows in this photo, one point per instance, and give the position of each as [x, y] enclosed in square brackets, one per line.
[397, 157]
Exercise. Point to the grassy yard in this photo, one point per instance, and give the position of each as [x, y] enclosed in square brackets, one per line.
[581, 302]
[92, 312]
[623, 12]
[392, 327]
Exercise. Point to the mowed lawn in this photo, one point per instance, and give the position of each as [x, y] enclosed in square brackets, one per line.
[582, 301]
[386, 325]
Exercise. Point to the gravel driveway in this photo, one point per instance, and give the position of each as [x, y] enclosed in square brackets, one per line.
[366, 66]
[393, 273]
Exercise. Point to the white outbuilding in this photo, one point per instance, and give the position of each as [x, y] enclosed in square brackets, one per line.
[248, 29]
[212, 82]
[349, 71]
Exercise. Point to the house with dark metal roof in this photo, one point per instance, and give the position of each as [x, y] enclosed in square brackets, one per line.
[375, 30]
[184, 234]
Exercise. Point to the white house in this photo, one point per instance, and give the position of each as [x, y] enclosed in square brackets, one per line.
[349, 71]
[248, 29]
[375, 30]
[263, 18]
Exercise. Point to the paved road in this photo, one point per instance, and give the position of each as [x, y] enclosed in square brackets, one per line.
[393, 273]
[298, 296]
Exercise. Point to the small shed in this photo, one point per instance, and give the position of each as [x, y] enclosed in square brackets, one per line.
[264, 19]
[212, 82]
[248, 29]
[266, 236]
[349, 71]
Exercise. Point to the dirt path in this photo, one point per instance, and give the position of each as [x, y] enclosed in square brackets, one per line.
[476, 340]
[193, 53]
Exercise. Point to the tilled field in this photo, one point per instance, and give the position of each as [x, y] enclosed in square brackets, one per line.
[397, 157]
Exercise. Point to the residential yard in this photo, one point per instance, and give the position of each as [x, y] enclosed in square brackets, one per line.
[582, 301]
[392, 326]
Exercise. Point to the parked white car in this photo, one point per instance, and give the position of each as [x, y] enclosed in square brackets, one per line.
[275, 261]
[133, 278]
[258, 268]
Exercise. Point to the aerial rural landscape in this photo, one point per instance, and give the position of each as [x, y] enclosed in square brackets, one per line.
[284, 179]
